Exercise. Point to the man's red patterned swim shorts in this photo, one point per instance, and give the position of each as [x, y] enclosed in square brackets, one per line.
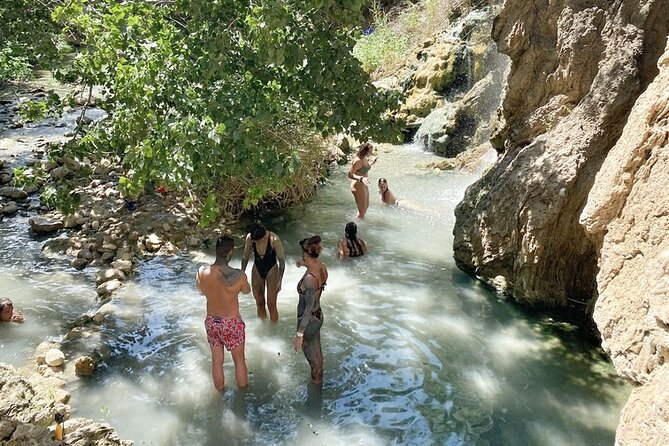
[225, 332]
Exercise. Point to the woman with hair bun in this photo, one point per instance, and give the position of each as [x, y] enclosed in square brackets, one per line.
[359, 179]
[351, 245]
[309, 313]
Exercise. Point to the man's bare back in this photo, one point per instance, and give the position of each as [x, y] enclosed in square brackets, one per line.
[221, 285]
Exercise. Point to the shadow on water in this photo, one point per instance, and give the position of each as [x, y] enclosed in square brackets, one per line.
[569, 377]
[416, 352]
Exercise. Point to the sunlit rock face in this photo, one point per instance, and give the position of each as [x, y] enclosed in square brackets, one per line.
[577, 68]
[627, 216]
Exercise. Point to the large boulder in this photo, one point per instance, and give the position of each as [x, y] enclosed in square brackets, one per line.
[576, 71]
[627, 217]
[13, 193]
[43, 225]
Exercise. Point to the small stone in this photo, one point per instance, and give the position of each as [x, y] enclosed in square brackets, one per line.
[108, 287]
[98, 317]
[123, 265]
[84, 366]
[153, 242]
[95, 225]
[54, 358]
[79, 263]
[14, 193]
[85, 254]
[59, 173]
[109, 274]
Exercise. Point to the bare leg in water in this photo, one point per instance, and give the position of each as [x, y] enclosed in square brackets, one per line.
[258, 287]
[271, 285]
[361, 194]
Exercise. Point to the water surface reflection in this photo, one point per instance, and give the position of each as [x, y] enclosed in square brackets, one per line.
[416, 351]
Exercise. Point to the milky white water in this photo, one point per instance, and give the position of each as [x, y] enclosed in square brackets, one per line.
[416, 352]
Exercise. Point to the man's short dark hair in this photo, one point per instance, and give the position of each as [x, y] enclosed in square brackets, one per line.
[258, 231]
[224, 245]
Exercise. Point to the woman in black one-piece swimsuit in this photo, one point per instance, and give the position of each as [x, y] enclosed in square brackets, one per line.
[309, 313]
[268, 268]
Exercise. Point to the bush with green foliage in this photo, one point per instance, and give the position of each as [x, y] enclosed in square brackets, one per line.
[382, 45]
[202, 91]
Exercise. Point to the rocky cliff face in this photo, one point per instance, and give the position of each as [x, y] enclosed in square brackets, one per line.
[577, 68]
[627, 216]
[576, 207]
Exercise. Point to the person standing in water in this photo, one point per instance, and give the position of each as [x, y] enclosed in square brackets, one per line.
[351, 245]
[385, 194]
[221, 284]
[8, 313]
[358, 173]
[309, 313]
[266, 273]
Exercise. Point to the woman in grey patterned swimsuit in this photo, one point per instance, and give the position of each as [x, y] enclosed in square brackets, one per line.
[309, 313]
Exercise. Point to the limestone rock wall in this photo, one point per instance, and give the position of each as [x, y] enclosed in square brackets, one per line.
[627, 216]
[577, 68]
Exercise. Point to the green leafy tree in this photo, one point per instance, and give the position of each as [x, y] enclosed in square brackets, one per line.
[205, 91]
[28, 37]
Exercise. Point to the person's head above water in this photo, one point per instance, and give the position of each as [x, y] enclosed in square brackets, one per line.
[6, 309]
[311, 246]
[351, 230]
[383, 184]
[258, 231]
[224, 247]
[365, 149]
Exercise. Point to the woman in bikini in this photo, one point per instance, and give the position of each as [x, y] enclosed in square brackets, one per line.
[351, 245]
[309, 313]
[385, 194]
[359, 179]
[266, 274]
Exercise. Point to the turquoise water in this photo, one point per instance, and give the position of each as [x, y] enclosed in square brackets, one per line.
[416, 351]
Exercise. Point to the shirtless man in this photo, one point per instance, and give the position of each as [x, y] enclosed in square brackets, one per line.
[266, 273]
[8, 313]
[221, 284]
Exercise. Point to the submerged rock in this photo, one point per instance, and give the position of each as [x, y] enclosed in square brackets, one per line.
[43, 225]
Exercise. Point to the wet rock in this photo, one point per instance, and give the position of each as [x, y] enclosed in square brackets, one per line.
[87, 432]
[109, 274]
[10, 208]
[85, 254]
[43, 225]
[14, 193]
[95, 225]
[79, 264]
[54, 358]
[108, 287]
[84, 366]
[123, 265]
[5, 177]
[98, 317]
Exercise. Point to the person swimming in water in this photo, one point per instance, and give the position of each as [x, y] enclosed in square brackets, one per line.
[8, 313]
[309, 313]
[351, 245]
[266, 273]
[385, 194]
[358, 173]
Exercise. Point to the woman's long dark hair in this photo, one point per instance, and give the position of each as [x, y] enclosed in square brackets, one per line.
[352, 242]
